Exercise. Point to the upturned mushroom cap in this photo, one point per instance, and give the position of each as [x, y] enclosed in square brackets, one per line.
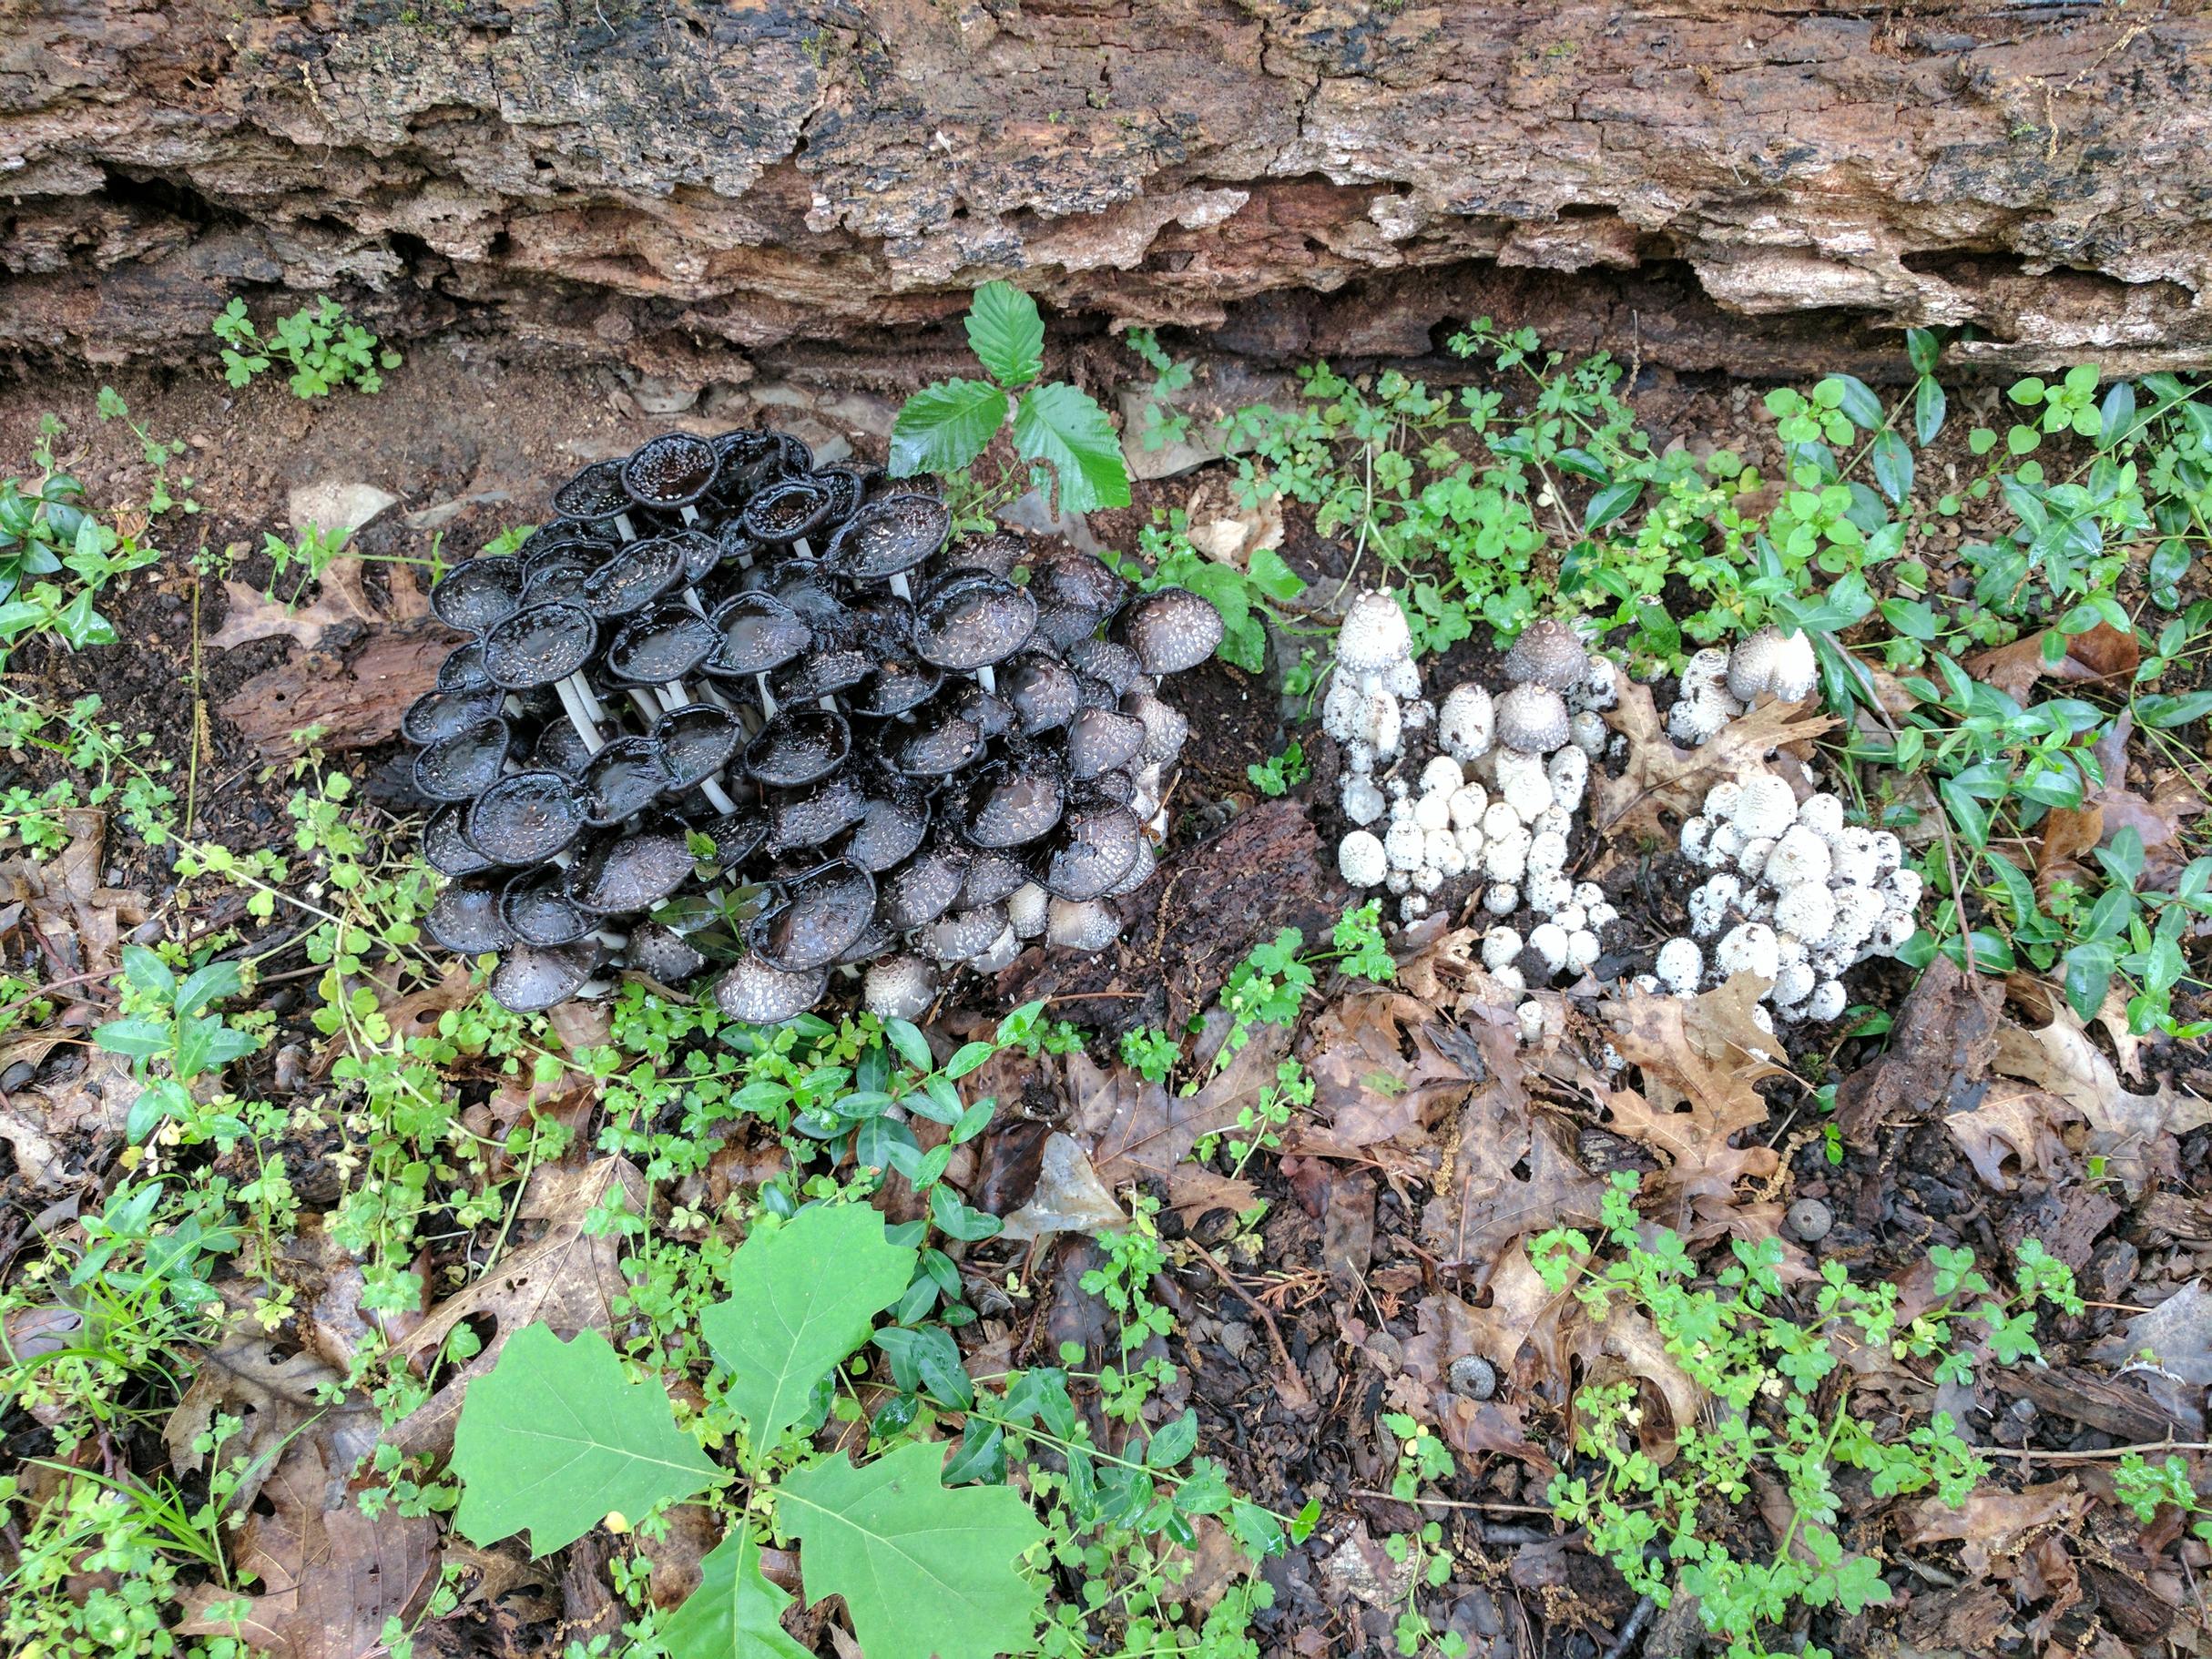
[938, 745]
[465, 920]
[561, 577]
[532, 978]
[463, 669]
[755, 994]
[671, 470]
[973, 621]
[1072, 581]
[1531, 719]
[660, 644]
[786, 511]
[737, 836]
[924, 887]
[1548, 653]
[629, 872]
[1041, 690]
[475, 595]
[994, 875]
[1100, 740]
[1107, 660]
[797, 746]
[1094, 849]
[538, 910]
[441, 714]
[595, 495]
[625, 776]
[1083, 925]
[695, 741]
[1170, 629]
[446, 847]
[1016, 801]
[839, 658]
[956, 937]
[539, 646]
[815, 817]
[759, 632]
[890, 534]
[526, 818]
[892, 825]
[1374, 635]
[464, 765]
[633, 576]
[899, 988]
[662, 953]
[821, 914]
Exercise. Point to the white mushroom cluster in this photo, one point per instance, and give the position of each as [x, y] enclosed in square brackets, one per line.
[1796, 896]
[1495, 807]
[1717, 686]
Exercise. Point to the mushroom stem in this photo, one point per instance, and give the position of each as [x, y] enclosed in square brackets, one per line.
[768, 698]
[805, 552]
[610, 939]
[589, 698]
[706, 690]
[828, 704]
[572, 705]
[623, 525]
[691, 598]
[688, 514]
[593, 987]
[900, 587]
[714, 792]
[562, 860]
[673, 694]
[986, 679]
[647, 707]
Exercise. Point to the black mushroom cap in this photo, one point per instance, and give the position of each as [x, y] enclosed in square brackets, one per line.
[754, 992]
[526, 817]
[633, 576]
[737, 836]
[662, 953]
[696, 741]
[937, 745]
[1067, 580]
[926, 886]
[1170, 629]
[617, 874]
[536, 908]
[661, 645]
[994, 875]
[475, 595]
[595, 495]
[1096, 845]
[1547, 653]
[539, 646]
[532, 978]
[890, 535]
[894, 820]
[671, 470]
[959, 934]
[446, 847]
[624, 778]
[972, 621]
[563, 577]
[463, 764]
[798, 746]
[466, 918]
[900, 681]
[463, 669]
[787, 511]
[1100, 740]
[560, 747]
[815, 817]
[839, 659]
[1041, 690]
[820, 915]
[441, 714]
[703, 554]
[1106, 660]
[1015, 800]
[759, 632]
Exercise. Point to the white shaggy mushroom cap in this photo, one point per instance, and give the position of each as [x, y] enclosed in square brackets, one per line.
[1499, 819]
[1725, 844]
[1025, 908]
[1418, 712]
[1897, 928]
[1531, 719]
[1765, 807]
[1510, 977]
[1398, 881]
[1600, 688]
[1500, 946]
[1547, 851]
[1359, 756]
[1695, 833]
[1602, 916]
[1470, 842]
[1523, 784]
[1711, 904]
[1529, 1018]
[1404, 844]
[1588, 894]
[1888, 851]
[1808, 911]
[1505, 857]
[1753, 858]
[1705, 706]
[1385, 723]
[1442, 776]
[1821, 813]
[1852, 860]
[1828, 1001]
[1569, 771]
[1467, 724]
[1858, 911]
[1438, 852]
[1800, 856]
[997, 955]
[1793, 983]
[1374, 635]
[1571, 915]
[1679, 966]
[1432, 811]
[1344, 710]
[1902, 889]
[1086, 925]
[1466, 805]
[1360, 858]
[1428, 878]
[1748, 948]
[1723, 798]
[1502, 899]
[1548, 940]
[1586, 732]
[900, 988]
[1768, 662]
[1362, 802]
[1696, 721]
[1401, 808]
[1401, 679]
[1412, 907]
[1549, 892]
[1552, 820]
[1582, 950]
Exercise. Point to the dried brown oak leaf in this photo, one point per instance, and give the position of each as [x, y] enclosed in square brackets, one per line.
[1996, 1525]
[1939, 1055]
[2011, 1124]
[271, 1395]
[1661, 778]
[2103, 652]
[1134, 1127]
[2176, 1336]
[1696, 1055]
[568, 1278]
[1385, 1069]
[1511, 1170]
[329, 1577]
[2132, 1133]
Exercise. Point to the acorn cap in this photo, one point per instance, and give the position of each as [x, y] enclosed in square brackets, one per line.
[671, 470]
[473, 595]
[1531, 719]
[1169, 630]
[532, 978]
[1549, 653]
[755, 994]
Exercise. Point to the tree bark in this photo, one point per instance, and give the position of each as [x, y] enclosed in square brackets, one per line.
[693, 182]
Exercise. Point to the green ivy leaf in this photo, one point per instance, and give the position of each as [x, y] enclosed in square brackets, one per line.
[944, 427]
[554, 1437]
[1059, 424]
[924, 1570]
[735, 1613]
[1611, 502]
[801, 1299]
[1006, 334]
[1929, 408]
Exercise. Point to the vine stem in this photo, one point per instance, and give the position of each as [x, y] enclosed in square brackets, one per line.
[1293, 1385]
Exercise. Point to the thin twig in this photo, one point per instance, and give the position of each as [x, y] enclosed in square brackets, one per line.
[1293, 1385]
[1455, 1503]
[1632, 1632]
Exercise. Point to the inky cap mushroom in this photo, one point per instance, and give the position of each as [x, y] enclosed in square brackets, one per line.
[526, 818]
[1171, 630]
[671, 470]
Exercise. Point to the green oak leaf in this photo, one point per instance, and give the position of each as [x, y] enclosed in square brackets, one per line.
[924, 1570]
[801, 1297]
[1006, 334]
[944, 426]
[554, 1437]
[1065, 427]
[735, 1613]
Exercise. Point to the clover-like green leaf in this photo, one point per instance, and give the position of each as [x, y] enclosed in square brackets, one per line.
[735, 1612]
[1059, 424]
[801, 1297]
[554, 1437]
[923, 1569]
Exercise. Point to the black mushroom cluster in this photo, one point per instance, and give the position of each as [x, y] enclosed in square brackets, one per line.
[733, 709]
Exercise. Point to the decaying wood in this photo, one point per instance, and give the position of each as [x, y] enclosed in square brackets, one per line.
[2118, 1409]
[352, 699]
[659, 178]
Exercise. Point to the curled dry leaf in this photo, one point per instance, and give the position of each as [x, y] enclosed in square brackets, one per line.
[1996, 1525]
[2176, 1336]
[1942, 1044]
[2011, 1124]
[2132, 1131]
[1137, 1128]
[1697, 1057]
[1663, 779]
[1069, 1197]
[566, 1278]
[1366, 1093]
[272, 1395]
[2103, 652]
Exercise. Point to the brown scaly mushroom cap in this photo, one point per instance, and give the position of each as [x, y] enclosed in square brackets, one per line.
[1531, 719]
[1548, 654]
